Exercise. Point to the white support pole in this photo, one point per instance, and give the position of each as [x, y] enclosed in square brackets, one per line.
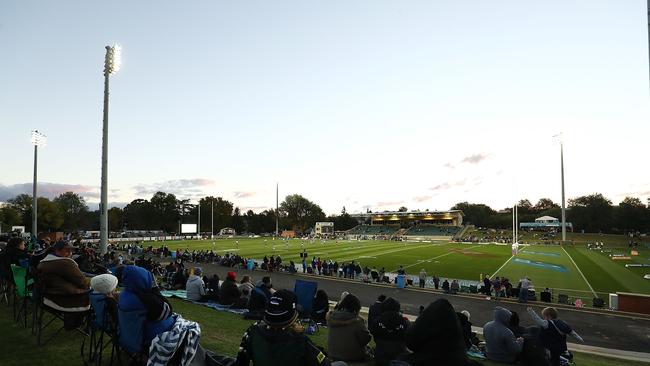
[277, 211]
[563, 204]
[212, 219]
[514, 240]
[198, 226]
[35, 197]
[516, 224]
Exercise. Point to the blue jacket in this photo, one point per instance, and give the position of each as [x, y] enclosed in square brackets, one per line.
[139, 282]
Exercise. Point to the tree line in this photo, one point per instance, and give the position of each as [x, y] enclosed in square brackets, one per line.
[592, 213]
[69, 212]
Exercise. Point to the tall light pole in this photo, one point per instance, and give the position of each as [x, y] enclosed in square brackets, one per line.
[212, 219]
[559, 139]
[112, 63]
[199, 219]
[38, 139]
[277, 211]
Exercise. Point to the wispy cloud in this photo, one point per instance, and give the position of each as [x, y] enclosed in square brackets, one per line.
[184, 187]
[448, 185]
[422, 198]
[46, 189]
[389, 203]
[475, 159]
[470, 159]
[240, 194]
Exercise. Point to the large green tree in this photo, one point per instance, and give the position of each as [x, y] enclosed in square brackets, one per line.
[166, 211]
[140, 215]
[115, 219]
[223, 210]
[475, 213]
[300, 213]
[591, 213]
[74, 209]
[632, 215]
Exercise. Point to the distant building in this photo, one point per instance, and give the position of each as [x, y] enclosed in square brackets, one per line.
[543, 223]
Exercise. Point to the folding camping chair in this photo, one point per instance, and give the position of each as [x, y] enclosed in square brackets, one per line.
[305, 292]
[103, 330]
[130, 333]
[22, 290]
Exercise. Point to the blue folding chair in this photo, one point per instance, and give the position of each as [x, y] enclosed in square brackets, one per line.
[305, 292]
[102, 324]
[130, 332]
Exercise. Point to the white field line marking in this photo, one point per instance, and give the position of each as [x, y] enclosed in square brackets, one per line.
[384, 253]
[436, 257]
[500, 268]
[579, 271]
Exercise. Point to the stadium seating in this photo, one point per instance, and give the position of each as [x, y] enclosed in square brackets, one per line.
[433, 230]
[373, 230]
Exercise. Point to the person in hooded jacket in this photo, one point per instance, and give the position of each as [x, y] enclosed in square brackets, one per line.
[389, 332]
[436, 338]
[142, 294]
[229, 293]
[500, 342]
[320, 307]
[195, 286]
[375, 309]
[348, 335]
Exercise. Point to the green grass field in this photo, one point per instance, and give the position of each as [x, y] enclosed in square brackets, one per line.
[573, 270]
[221, 333]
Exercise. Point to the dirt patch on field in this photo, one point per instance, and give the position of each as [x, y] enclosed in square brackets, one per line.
[471, 253]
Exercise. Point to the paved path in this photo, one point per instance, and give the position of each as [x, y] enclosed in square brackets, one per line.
[598, 328]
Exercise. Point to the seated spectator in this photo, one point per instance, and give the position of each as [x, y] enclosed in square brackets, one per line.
[180, 280]
[469, 337]
[64, 287]
[514, 326]
[213, 286]
[14, 253]
[106, 284]
[320, 307]
[246, 287]
[389, 332]
[196, 287]
[261, 294]
[435, 338]
[141, 294]
[229, 293]
[553, 333]
[348, 335]
[278, 339]
[500, 342]
[375, 309]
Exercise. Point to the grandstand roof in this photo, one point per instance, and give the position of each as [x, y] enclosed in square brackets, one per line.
[408, 213]
[546, 218]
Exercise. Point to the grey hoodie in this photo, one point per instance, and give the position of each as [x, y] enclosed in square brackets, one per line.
[500, 343]
[195, 288]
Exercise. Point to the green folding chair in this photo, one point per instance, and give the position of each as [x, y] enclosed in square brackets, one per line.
[22, 292]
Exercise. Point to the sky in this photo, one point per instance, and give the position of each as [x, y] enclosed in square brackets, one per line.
[364, 104]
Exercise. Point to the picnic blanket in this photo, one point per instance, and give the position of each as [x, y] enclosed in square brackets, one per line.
[182, 294]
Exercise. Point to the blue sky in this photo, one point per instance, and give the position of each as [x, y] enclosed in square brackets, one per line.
[351, 103]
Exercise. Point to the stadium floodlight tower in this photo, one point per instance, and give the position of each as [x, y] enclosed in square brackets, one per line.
[559, 138]
[112, 63]
[38, 139]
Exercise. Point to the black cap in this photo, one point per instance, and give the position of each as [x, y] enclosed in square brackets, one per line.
[281, 309]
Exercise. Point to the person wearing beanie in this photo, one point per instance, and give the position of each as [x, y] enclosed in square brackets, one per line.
[375, 309]
[389, 332]
[105, 284]
[195, 286]
[468, 336]
[436, 338]
[278, 339]
[229, 293]
[501, 345]
[348, 335]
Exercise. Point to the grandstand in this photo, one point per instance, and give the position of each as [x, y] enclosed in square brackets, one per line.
[433, 230]
[415, 225]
